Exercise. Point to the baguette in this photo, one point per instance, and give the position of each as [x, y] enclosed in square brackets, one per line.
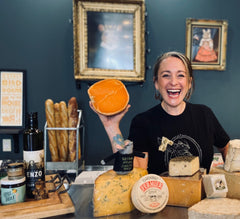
[49, 111]
[64, 133]
[72, 123]
[62, 151]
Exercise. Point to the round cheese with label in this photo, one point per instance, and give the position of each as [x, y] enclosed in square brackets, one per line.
[150, 194]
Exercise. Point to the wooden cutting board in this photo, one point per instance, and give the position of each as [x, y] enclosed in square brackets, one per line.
[56, 204]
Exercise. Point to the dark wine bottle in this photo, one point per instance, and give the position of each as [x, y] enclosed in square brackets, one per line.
[33, 153]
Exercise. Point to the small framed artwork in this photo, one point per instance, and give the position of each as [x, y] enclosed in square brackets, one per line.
[109, 39]
[12, 101]
[206, 43]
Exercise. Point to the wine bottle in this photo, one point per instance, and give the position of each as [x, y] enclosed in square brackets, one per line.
[33, 153]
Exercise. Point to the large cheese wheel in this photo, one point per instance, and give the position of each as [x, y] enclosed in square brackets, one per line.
[109, 96]
[150, 194]
[112, 192]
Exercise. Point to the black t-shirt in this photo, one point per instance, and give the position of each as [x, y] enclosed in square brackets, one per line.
[194, 132]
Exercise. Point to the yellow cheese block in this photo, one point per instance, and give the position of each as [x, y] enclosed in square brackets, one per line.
[184, 191]
[112, 192]
[233, 181]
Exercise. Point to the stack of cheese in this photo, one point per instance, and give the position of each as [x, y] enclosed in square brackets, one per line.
[222, 187]
[62, 142]
[184, 181]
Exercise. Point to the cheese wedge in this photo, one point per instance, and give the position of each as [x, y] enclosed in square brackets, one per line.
[112, 192]
[183, 166]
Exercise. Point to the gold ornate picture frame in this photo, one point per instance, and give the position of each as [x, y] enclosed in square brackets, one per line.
[109, 39]
[206, 43]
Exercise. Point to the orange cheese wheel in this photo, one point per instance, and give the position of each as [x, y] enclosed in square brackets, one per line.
[109, 96]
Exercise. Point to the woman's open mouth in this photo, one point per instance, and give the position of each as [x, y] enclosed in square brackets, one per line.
[173, 93]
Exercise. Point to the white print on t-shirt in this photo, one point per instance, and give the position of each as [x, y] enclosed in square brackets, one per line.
[164, 143]
[183, 145]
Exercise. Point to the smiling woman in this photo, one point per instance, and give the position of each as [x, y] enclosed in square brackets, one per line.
[184, 71]
[192, 129]
[173, 83]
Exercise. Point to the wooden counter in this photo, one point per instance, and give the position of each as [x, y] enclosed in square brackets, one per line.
[82, 198]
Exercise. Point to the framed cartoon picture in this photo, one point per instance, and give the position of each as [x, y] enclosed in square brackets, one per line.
[206, 43]
[109, 39]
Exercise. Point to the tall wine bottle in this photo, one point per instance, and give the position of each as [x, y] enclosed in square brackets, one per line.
[33, 153]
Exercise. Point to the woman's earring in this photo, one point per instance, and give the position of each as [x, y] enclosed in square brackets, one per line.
[188, 95]
[157, 95]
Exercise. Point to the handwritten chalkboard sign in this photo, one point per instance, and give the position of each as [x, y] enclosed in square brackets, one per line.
[12, 101]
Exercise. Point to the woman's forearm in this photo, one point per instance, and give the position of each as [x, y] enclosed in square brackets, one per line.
[115, 137]
[224, 151]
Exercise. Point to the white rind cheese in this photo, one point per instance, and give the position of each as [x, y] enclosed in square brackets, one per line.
[217, 208]
[233, 181]
[183, 166]
[232, 161]
[150, 194]
[215, 185]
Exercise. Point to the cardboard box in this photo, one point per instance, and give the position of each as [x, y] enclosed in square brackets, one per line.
[184, 191]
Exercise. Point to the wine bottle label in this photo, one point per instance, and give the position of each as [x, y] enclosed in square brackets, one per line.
[34, 169]
[36, 156]
[34, 173]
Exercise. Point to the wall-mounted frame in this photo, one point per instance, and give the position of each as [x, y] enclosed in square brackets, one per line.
[206, 43]
[12, 101]
[109, 39]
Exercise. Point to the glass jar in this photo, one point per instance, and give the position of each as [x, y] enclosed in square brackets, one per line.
[13, 191]
[15, 171]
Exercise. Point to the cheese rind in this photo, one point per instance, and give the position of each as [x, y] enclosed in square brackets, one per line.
[218, 208]
[183, 166]
[232, 161]
[112, 192]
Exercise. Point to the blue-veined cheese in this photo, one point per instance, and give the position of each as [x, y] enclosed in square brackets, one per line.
[112, 192]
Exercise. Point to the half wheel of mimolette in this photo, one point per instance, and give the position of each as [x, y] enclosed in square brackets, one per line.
[109, 96]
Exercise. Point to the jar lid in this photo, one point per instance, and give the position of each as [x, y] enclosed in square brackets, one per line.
[15, 165]
[6, 181]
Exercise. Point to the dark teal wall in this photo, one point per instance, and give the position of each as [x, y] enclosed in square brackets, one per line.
[38, 36]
